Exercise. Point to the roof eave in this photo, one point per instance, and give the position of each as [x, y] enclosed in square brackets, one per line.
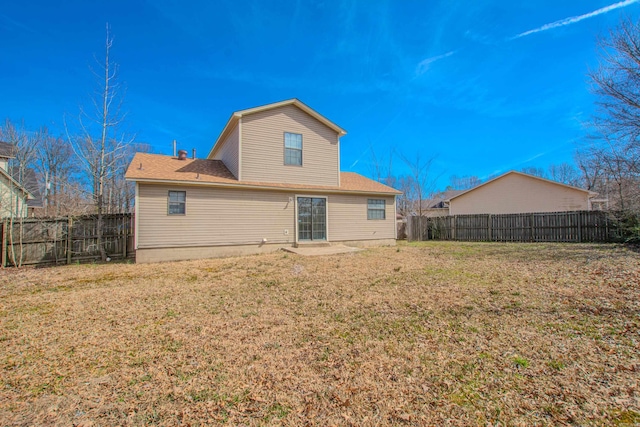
[17, 185]
[257, 187]
[225, 131]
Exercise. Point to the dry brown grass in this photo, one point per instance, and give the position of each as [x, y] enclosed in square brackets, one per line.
[427, 334]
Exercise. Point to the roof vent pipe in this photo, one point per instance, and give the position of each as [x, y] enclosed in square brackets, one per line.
[182, 154]
[194, 153]
[175, 147]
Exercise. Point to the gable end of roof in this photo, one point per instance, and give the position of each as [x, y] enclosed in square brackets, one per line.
[235, 117]
[590, 193]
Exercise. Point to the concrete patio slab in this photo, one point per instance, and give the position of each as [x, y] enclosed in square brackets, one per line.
[326, 250]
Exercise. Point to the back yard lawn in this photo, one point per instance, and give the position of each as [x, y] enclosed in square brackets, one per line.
[432, 333]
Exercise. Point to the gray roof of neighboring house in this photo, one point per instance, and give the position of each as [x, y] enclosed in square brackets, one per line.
[439, 200]
[7, 150]
[30, 183]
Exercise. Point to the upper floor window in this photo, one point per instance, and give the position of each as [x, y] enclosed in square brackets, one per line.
[292, 149]
[376, 209]
[177, 202]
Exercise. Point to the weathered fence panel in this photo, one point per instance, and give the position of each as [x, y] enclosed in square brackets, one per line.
[575, 226]
[66, 240]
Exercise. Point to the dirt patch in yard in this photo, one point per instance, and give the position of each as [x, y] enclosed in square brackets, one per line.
[424, 334]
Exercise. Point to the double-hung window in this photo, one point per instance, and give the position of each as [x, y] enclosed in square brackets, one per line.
[376, 209]
[177, 202]
[292, 149]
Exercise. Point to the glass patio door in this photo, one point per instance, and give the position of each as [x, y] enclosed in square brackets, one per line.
[312, 218]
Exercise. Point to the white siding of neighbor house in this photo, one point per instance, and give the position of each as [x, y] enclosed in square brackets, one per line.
[515, 193]
[348, 219]
[229, 151]
[263, 148]
[226, 217]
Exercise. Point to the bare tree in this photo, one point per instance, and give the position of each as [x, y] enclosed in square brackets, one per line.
[57, 167]
[535, 171]
[382, 168]
[564, 173]
[26, 145]
[405, 201]
[590, 169]
[422, 181]
[102, 144]
[617, 84]
[615, 143]
[463, 182]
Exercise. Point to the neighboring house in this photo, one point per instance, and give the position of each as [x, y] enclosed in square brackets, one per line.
[29, 181]
[271, 180]
[440, 200]
[14, 197]
[517, 192]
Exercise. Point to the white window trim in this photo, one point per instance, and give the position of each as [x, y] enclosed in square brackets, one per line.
[284, 149]
[326, 213]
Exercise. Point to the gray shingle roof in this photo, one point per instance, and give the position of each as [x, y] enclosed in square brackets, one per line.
[7, 150]
[30, 183]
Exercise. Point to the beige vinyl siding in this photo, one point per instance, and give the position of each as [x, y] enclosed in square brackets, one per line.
[348, 219]
[3, 163]
[228, 152]
[263, 148]
[213, 216]
[10, 205]
[516, 193]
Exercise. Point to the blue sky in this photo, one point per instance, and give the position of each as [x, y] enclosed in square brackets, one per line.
[487, 86]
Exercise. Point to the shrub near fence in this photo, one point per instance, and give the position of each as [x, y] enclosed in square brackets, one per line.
[64, 240]
[575, 226]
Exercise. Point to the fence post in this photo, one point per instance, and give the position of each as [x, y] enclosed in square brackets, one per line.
[490, 227]
[3, 249]
[125, 237]
[580, 226]
[69, 238]
[453, 229]
[531, 228]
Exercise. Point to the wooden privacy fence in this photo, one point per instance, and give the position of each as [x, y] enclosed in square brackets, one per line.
[575, 226]
[65, 240]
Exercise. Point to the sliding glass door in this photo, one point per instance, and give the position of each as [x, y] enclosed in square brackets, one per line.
[312, 218]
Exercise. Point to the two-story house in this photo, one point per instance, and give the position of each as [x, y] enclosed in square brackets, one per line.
[271, 180]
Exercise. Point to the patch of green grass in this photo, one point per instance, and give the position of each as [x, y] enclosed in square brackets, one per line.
[278, 410]
[625, 418]
[558, 365]
[41, 309]
[142, 379]
[521, 362]
[204, 395]
[269, 283]
[172, 345]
